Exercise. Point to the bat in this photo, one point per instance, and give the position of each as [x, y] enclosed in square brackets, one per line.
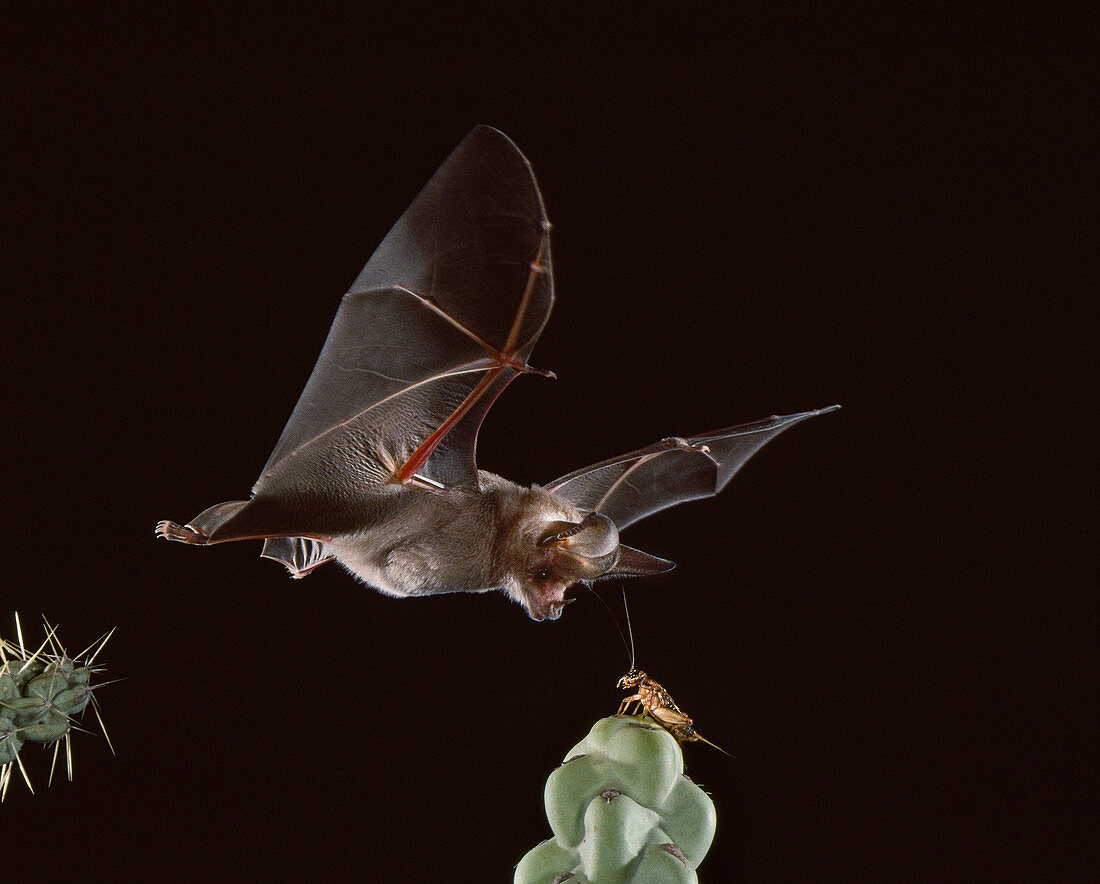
[376, 467]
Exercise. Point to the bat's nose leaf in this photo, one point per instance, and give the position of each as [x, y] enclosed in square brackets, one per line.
[635, 563]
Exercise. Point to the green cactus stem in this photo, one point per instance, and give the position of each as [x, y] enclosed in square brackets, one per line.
[41, 695]
[622, 810]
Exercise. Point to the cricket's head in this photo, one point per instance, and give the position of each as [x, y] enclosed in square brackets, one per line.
[632, 679]
[552, 555]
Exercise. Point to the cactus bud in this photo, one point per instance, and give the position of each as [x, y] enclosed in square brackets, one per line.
[622, 810]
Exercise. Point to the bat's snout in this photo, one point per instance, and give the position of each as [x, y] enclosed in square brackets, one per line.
[549, 610]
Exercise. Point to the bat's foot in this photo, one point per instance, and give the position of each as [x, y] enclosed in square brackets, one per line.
[180, 533]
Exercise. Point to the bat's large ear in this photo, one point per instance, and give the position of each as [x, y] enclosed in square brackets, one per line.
[593, 538]
[592, 544]
[635, 563]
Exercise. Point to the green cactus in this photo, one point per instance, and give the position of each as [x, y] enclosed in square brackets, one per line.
[622, 810]
[41, 694]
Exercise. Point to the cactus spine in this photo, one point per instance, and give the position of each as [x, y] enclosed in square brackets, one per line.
[622, 810]
[41, 694]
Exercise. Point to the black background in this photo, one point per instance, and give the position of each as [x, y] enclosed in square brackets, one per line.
[759, 214]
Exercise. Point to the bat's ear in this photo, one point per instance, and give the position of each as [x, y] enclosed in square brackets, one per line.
[635, 563]
[595, 537]
[590, 547]
[593, 544]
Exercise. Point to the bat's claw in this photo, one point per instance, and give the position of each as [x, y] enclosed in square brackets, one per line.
[180, 533]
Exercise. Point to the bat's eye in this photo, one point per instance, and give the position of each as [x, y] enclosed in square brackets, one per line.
[543, 574]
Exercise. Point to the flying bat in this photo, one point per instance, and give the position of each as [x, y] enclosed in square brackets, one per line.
[376, 468]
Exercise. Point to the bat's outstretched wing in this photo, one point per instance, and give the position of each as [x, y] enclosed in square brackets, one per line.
[675, 470]
[441, 319]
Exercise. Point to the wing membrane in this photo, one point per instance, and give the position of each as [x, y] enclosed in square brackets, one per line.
[300, 554]
[675, 470]
[441, 319]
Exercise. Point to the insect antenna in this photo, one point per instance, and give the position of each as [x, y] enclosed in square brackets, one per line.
[629, 630]
[614, 619]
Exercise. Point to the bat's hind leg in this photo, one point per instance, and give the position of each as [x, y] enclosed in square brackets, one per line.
[215, 524]
[180, 533]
